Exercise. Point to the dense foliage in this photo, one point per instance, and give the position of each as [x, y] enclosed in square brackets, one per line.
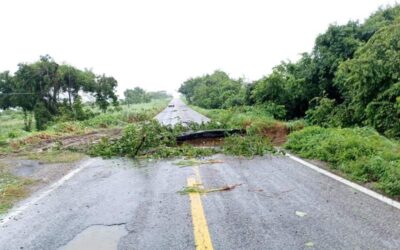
[370, 82]
[47, 90]
[350, 78]
[217, 90]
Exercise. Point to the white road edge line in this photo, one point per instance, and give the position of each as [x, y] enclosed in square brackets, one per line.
[347, 182]
[18, 210]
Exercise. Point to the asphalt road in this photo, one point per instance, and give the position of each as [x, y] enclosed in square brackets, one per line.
[180, 113]
[279, 204]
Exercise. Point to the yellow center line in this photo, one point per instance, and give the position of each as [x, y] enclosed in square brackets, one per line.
[201, 234]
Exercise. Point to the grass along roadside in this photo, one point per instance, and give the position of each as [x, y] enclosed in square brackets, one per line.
[12, 188]
[361, 154]
[14, 139]
[247, 145]
[55, 156]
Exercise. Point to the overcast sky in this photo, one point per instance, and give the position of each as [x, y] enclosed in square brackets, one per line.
[158, 44]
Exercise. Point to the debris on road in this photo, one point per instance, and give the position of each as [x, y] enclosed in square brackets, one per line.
[225, 188]
[309, 244]
[301, 214]
[200, 190]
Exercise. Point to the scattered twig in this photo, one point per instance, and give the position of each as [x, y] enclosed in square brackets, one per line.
[198, 189]
[224, 188]
[139, 146]
[194, 162]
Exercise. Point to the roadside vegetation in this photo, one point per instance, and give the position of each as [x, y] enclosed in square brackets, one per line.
[339, 103]
[247, 145]
[53, 113]
[61, 142]
[360, 153]
[14, 139]
[55, 156]
[12, 188]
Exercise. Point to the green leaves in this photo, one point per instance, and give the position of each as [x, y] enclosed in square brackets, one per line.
[148, 138]
[104, 91]
[248, 146]
[136, 95]
[49, 90]
[213, 91]
[370, 81]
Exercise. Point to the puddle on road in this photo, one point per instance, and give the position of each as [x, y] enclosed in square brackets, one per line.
[97, 237]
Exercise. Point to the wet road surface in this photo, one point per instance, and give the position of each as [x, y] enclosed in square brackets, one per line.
[180, 113]
[279, 204]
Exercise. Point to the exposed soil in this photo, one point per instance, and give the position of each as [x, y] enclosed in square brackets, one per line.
[78, 140]
[39, 143]
[277, 133]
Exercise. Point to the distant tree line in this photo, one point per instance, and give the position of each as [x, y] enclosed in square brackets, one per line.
[217, 90]
[351, 77]
[47, 90]
[139, 95]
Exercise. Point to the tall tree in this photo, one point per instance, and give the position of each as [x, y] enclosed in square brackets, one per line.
[45, 88]
[136, 95]
[105, 87]
[370, 81]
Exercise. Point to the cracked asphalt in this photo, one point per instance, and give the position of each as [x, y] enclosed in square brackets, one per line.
[142, 199]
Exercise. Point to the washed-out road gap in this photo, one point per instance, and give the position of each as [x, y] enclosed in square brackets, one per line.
[281, 204]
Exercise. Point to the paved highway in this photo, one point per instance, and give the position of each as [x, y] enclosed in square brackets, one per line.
[278, 203]
[178, 112]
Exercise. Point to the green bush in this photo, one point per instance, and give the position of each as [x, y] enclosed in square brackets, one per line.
[384, 113]
[361, 153]
[14, 134]
[248, 146]
[275, 110]
[184, 150]
[322, 113]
